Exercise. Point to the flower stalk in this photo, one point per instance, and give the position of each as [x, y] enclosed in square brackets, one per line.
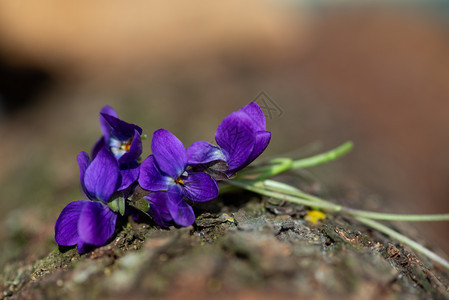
[281, 165]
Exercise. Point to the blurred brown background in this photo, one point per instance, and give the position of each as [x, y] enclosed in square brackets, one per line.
[374, 74]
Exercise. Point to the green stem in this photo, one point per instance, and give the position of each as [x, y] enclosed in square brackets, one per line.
[395, 217]
[281, 187]
[277, 186]
[405, 240]
[258, 187]
[281, 165]
[323, 157]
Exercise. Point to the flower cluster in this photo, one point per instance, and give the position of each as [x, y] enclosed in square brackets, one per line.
[172, 175]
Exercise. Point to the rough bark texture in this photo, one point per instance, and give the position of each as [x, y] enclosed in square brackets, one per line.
[241, 246]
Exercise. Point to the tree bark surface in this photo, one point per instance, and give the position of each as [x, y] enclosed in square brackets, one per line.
[240, 247]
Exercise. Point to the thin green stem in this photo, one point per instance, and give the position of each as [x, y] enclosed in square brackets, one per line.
[323, 157]
[405, 240]
[280, 187]
[257, 187]
[280, 165]
[395, 217]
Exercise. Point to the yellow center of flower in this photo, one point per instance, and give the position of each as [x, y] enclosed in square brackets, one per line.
[126, 145]
[179, 180]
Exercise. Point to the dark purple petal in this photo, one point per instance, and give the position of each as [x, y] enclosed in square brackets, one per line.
[129, 173]
[169, 153]
[121, 129]
[236, 137]
[133, 212]
[84, 247]
[151, 178]
[104, 125]
[135, 150]
[66, 227]
[180, 211]
[256, 114]
[202, 153]
[96, 223]
[100, 143]
[158, 208]
[199, 187]
[83, 163]
[262, 141]
[102, 176]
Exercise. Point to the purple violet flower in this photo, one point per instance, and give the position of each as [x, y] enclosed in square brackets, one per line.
[241, 138]
[91, 223]
[164, 173]
[124, 141]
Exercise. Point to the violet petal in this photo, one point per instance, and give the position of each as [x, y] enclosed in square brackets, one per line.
[236, 137]
[96, 223]
[84, 247]
[121, 129]
[107, 110]
[169, 153]
[102, 176]
[133, 212]
[135, 150]
[262, 141]
[151, 178]
[104, 125]
[66, 227]
[158, 209]
[256, 114]
[129, 173]
[100, 143]
[199, 187]
[202, 153]
[83, 163]
[180, 211]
